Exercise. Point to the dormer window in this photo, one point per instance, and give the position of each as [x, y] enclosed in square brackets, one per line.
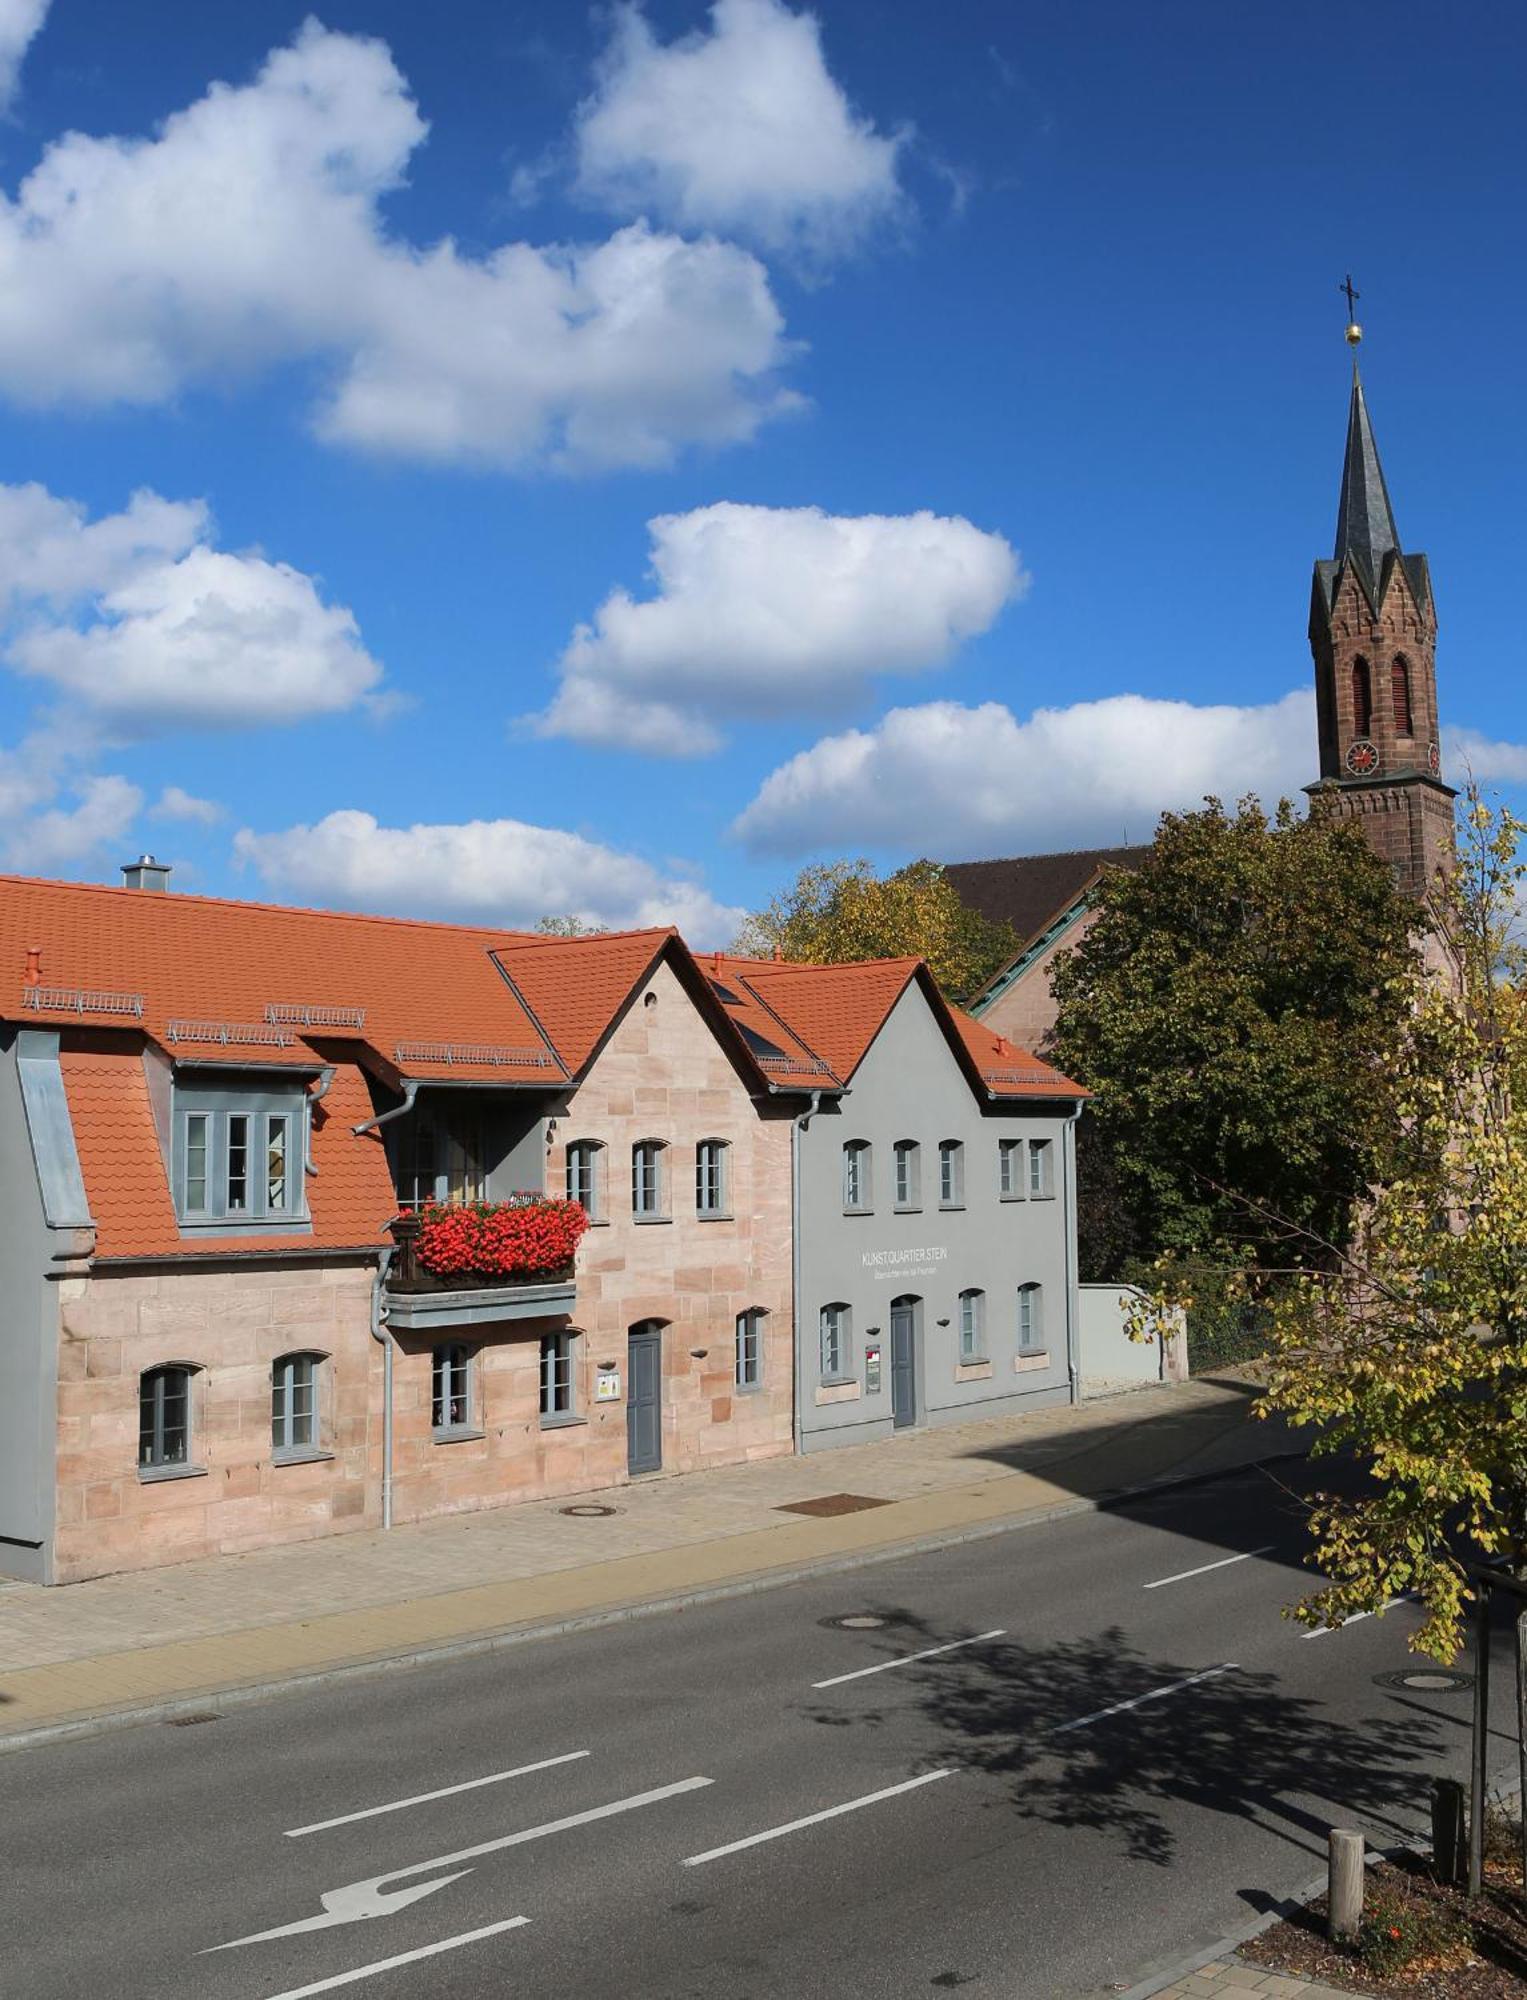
[239, 1149]
[440, 1157]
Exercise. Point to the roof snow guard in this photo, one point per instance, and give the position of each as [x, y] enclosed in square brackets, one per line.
[80, 1000]
[999, 1076]
[298, 1015]
[482, 1054]
[254, 1034]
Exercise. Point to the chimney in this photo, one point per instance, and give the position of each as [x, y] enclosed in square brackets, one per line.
[34, 965]
[146, 873]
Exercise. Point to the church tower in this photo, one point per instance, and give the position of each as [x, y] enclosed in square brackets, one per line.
[1373, 632]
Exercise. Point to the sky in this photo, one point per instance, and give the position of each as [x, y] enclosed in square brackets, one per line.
[497, 459]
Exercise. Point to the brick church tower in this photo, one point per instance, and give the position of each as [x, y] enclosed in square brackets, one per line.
[1373, 631]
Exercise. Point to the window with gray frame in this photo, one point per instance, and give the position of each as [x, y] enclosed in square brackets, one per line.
[1031, 1319]
[973, 1326]
[239, 1152]
[450, 1404]
[294, 1383]
[440, 1155]
[712, 1192]
[1041, 1174]
[647, 1178]
[1010, 1169]
[908, 1164]
[557, 1350]
[750, 1348]
[164, 1418]
[584, 1167]
[951, 1174]
[858, 1192]
[834, 1340]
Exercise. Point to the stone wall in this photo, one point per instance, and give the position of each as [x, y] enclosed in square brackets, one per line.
[1025, 1013]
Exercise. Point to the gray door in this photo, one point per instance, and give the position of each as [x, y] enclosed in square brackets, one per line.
[644, 1399]
[903, 1363]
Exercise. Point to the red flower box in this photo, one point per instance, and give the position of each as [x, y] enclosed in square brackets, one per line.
[530, 1237]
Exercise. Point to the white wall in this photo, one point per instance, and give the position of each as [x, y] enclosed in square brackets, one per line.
[1110, 1360]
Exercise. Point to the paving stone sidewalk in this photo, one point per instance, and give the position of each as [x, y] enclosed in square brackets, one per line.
[1233, 1978]
[129, 1641]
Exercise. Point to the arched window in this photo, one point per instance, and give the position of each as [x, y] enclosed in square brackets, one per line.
[585, 1174]
[1362, 697]
[1031, 1319]
[973, 1326]
[834, 1329]
[951, 1173]
[164, 1417]
[451, 1399]
[648, 1196]
[858, 1192]
[559, 1356]
[750, 1347]
[713, 1196]
[1399, 695]
[294, 1383]
[908, 1173]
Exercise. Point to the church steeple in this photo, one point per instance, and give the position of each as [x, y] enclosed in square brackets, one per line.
[1373, 632]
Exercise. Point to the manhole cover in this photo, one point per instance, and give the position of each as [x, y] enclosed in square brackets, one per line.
[857, 1621]
[831, 1503]
[591, 1510]
[1426, 1680]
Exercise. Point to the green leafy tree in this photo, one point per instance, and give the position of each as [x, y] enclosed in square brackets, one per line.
[1233, 1010]
[838, 911]
[569, 926]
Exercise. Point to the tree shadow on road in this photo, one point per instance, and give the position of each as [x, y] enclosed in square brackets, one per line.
[1234, 1744]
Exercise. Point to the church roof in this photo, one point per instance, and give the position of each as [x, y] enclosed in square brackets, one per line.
[1028, 890]
[1367, 540]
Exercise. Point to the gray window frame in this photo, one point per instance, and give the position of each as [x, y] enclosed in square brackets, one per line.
[972, 1326]
[1040, 1178]
[862, 1154]
[285, 1376]
[585, 1156]
[1031, 1318]
[154, 1389]
[748, 1370]
[208, 1122]
[658, 1212]
[907, 1154]
[450, 1361]
[1012, 1167]
[834, 1361]
[951, 1173]
[456, 1140]
[558, 1390]
[719, 1170]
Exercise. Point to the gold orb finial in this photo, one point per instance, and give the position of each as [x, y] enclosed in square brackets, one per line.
[1354, 334]
[1354, 331]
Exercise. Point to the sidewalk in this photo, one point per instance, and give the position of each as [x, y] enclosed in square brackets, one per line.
[1236, 1978]
[120, 1647]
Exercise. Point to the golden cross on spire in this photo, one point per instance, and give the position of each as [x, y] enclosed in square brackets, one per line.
[1354, 331]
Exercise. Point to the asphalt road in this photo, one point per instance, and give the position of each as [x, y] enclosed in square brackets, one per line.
[750, 1799]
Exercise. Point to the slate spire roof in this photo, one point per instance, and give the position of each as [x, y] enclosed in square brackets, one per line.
[1365, 527]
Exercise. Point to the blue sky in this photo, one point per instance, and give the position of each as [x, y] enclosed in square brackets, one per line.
[980, 367]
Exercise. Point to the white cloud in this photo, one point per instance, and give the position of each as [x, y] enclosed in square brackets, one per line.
[52, 815]
[247, 231]
[770, 611]
[1470, 753]
[502, 872]
[958, 782]
[741, 129]
[144, 626]
[174, 802]
[20, 21]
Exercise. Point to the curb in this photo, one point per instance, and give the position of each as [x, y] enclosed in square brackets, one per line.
[100, 1722]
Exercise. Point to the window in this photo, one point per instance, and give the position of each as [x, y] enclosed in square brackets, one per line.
[750, 1348]
[1041, 1177]
[1031, 1319]
[951, 1173]
[647, 1178]
[908, 1173]
[584, 1172]
[164, 1418]
[238, 1153]
[1362, 698]
[440, 1157]
[712, 1193]
[556, 1375]
[856, 1174]
[1399, 694]
[834, 1332]
[451, 1388]
[294, 1403]
[972, 1326]
[1010, 1169]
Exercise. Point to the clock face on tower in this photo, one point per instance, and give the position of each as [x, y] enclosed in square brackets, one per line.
[1362, 757]
[1434, 760]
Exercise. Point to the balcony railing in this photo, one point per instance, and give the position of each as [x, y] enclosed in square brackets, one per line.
[459, 1264]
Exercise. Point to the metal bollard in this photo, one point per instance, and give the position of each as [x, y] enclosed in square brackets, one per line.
[1344, 1901]
[1450, 1844]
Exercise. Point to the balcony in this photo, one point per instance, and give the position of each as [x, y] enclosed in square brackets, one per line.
[483, 1263]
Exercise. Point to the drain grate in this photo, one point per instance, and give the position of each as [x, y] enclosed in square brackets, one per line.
[591, 1510]
[1426, 1680]
[831, 1503]
[190, 1721]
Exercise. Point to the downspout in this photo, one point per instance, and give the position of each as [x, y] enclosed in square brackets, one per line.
[379, 1332]
[325, 1084]
[1073, 1298]
[410, 1092]
[797, 1127]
